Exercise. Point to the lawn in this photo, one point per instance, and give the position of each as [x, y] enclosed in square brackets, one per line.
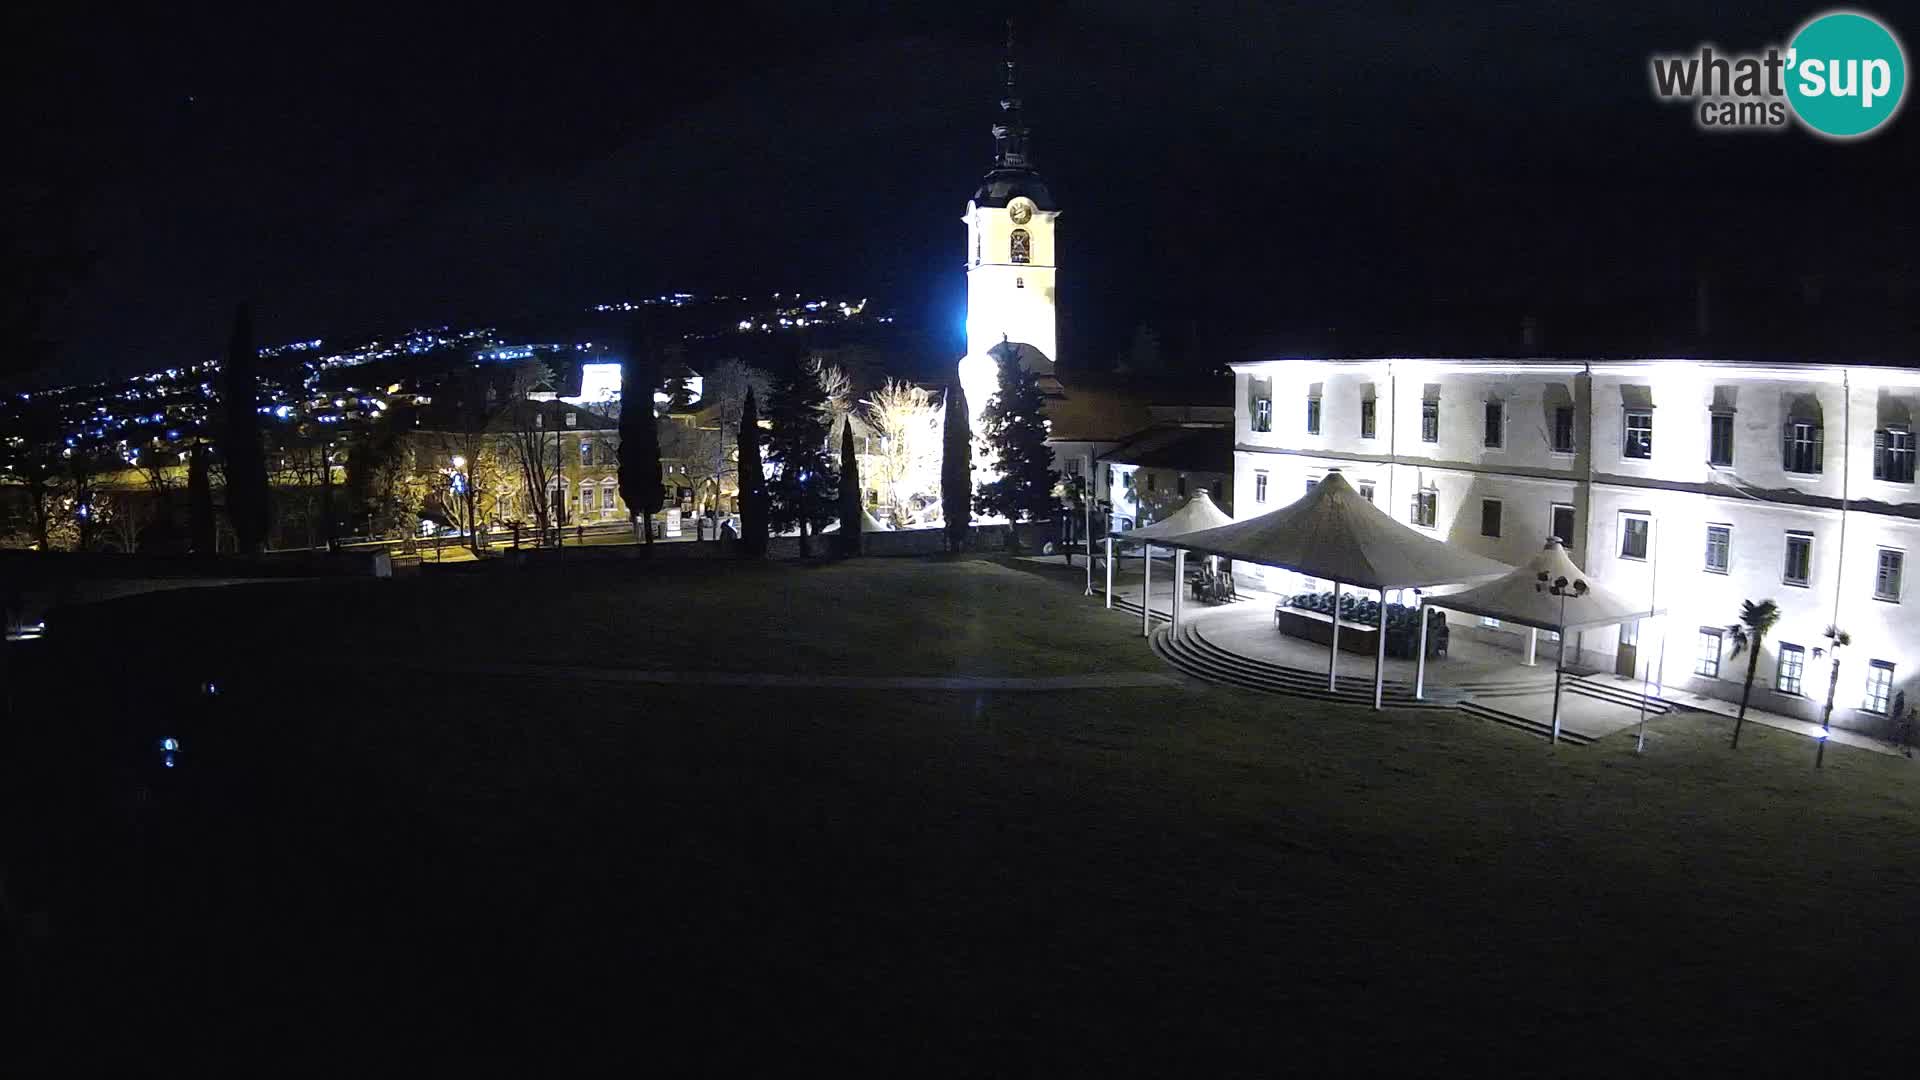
[525, 871]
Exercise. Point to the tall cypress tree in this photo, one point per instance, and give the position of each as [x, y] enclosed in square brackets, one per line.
[956, 468]
[850, 494]
[805, 486]
[640, 437]
[753, 483]
[1015, 427]
[199, 501]
[246, 461]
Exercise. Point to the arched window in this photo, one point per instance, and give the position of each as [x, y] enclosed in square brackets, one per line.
[1022, 246]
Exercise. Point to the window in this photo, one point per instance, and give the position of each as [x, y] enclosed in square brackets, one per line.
[1562, 518]
[606, 497]
[1430, 421]
[1489, 622]
[1719, 545]
[1893, 455]
[1313, 482]
[1260, 487]
[539, 421]
[1180, 484]
[1635, 532]
[1639, 439]
[1263, 415]
[586, 452]
[1793, 662]
[1799, 562]
[1022, 246]
[1019, 283]
[1879, 687]
[1153, 482]
[1366, 490]
[1073, 466]
[572, 419]
[1489, 517]
[1496, 426]
[1720, 439]
[1886, 578]
[1706, 653]
[1366, 418]
[1563, 429]
[1801, 447]
[1313, 416]
[1426, 507]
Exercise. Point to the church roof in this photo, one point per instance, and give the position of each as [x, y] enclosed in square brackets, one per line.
[1002, 186]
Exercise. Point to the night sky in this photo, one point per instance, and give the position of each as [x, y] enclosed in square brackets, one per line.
[1282, 178]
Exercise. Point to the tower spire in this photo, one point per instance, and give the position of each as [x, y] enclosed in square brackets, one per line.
[1010, 134]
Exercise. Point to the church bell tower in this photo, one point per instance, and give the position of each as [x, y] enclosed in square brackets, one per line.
[1011, 256]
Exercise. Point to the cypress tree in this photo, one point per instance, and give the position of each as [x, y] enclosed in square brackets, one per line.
[1015, 424]
[850, 495]
[753, 483]
[246, 461]
[956, 468]
[199, 502]
[639, 438]
[804, 487]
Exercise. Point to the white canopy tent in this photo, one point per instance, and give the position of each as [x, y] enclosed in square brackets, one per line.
[1333, 532]
[1548, 592]
[1198, 513]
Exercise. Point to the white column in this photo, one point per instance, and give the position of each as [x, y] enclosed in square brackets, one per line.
[1146, 592]
[1380, 653]
[1533, 645]
[1559, 676]
[1333, 654]
[1179, 584]
[1109, 571]
[1420, 660]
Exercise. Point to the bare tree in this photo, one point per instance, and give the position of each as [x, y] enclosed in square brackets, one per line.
[905, 421]
[836, 396]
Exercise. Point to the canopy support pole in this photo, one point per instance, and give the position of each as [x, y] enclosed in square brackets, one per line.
[1179, 584]
[1559, 676]
[1420, 663]
[1109, 571]
[1380, 654]
[1333, 654]
[1533, 646]
[1640, 741]
[1146, 592]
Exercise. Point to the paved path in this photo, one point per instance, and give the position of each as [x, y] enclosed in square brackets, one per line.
[1111, 681]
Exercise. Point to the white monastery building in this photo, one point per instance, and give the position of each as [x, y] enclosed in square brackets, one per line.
[1695, 486]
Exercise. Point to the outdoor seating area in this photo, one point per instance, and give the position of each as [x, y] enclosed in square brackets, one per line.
[1361, 616]
[1214, 586]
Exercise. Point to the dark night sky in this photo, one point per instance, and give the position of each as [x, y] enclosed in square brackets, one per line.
[1279, 178]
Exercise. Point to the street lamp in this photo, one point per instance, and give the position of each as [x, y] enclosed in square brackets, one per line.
[1561, 588]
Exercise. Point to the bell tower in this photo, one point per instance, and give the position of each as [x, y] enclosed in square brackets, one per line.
[1011, 254]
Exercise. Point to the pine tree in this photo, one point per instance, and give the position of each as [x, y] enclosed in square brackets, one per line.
[753, 483]
[956, 468]
[199, 501]
[1015, 428]
[802, 492]
[247, 504]
[850, 494]
[640, 438]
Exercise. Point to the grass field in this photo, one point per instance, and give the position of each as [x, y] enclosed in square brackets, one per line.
[355, 861]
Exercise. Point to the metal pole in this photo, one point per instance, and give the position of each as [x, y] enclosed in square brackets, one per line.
[1333, 654]
[1559, 669]
[1380, 654]
[1146, 593]
[1109, 571]
[1533, 645]
[1640, 741]
[1420, 664]
[1179, 583]
[1086, 498]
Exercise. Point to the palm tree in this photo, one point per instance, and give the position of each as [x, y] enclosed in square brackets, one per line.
[1837, 639]
[1755, 621]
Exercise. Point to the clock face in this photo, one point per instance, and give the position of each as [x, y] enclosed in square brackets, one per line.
[1020, 210]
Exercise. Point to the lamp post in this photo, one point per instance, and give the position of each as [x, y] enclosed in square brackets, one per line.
[1837, 639]
[1561, 588]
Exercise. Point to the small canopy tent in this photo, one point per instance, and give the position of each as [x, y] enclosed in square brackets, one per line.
[1334, 532]
[1198, 513]
[1548, 592]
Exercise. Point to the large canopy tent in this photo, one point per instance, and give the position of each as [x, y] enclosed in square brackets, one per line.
[1334, 532]
[1548, 592]
[1198, 513]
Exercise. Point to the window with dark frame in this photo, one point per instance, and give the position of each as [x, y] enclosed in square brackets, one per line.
[1366, 490]
[1366, 418]
[1313, 416]
[1426, 507]
[1490, 517]
[1887, 574]
[1893, 455]
[1799, 561]
[1263, 415]
[1562, 518]
[1720, 439]
[1706, 653]
[1801, 447]
[1260, 487]
[586, 452]
[1635, 532]
[1793, 663]
[1639, 434]
[1563, 429]
[1879, 693]
[1719, 547]
[1021, 247]
[1494, 437]
[1430, 421]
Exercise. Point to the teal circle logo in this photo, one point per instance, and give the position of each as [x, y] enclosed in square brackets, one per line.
[1846, 74]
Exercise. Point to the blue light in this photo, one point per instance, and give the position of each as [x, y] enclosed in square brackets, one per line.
[169, 743]
[167, 759]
